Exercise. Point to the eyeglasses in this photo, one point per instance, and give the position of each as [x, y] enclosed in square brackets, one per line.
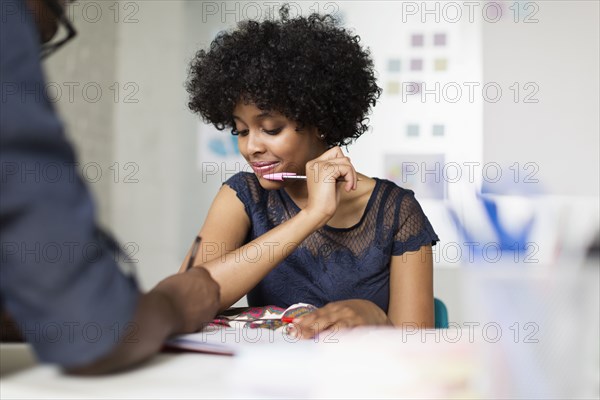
[68, 29]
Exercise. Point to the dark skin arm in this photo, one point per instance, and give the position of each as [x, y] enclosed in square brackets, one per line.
[181, 303]
[178, 304]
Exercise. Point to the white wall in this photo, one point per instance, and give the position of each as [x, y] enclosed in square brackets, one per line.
[79, 81]
[139, 132]
[156, 134]
[561, 132]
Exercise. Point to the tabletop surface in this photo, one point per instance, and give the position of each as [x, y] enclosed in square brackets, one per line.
[534, 338]
[166, 375]
[353, 365]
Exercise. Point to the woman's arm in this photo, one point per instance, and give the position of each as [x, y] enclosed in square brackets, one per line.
[411, 300]
[239, 269]
[224, 230]
[411, 289]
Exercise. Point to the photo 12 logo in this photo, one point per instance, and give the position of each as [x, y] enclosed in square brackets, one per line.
[74, 331]
[236, 11]
[70, 92]
[469, 11]
[54, 172]
[487, 332]
[92, 12]
[243, 334]
[469, 92]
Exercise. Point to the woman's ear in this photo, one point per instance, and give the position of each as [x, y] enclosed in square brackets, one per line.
[318, 134]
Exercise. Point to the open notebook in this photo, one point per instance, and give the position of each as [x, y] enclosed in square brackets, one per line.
[238, 328]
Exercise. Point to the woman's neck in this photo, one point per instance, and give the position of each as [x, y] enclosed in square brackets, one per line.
[298, 192]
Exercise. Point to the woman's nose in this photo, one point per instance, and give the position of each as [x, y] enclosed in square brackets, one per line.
[254, 142]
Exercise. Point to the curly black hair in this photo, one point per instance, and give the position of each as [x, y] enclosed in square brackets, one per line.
[307, 68]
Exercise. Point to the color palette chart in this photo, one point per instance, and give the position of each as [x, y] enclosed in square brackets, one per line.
[424, 118]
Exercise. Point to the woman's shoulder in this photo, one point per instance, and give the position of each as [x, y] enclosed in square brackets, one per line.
[242, 178]
[396, 199]
[246, 185]
[412, 225]
[392, 189]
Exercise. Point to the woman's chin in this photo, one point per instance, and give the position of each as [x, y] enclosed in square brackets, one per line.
[269, 184]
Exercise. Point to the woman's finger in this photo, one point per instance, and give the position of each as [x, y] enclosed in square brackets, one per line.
[343, 168]
[310, 325]
[332, 153]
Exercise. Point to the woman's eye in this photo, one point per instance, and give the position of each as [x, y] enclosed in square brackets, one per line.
[244, 132]
[236, 132]
[272, 131]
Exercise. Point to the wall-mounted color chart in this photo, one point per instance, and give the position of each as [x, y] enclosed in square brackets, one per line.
[422, 61]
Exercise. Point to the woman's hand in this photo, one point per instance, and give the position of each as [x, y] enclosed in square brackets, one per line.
[324, 177]
[339, 314]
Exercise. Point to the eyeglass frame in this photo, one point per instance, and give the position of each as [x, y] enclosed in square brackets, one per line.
[59, 13]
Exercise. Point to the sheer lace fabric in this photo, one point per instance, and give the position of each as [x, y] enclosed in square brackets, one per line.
[335, 263]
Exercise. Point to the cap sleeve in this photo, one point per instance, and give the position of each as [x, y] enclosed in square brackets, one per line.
[414, 229]
[247, 189]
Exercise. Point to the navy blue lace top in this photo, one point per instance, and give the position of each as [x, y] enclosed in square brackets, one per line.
[335, 263]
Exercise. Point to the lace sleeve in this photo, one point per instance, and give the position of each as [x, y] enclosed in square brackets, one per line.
[247, 190]
[414, 229]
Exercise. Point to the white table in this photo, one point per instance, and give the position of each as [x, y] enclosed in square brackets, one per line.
[164, 376]
[383, 363]
[342, 369]
[559, 360]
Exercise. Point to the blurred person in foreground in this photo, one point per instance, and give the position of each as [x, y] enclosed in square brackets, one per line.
[76, 307]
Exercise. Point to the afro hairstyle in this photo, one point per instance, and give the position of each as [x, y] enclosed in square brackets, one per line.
[309, 69]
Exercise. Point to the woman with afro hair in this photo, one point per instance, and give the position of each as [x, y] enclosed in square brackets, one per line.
[293, 90]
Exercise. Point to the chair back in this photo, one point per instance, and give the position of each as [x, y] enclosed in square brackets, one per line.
[441, 314]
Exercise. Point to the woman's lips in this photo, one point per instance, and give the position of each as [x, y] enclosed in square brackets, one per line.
[264, 167]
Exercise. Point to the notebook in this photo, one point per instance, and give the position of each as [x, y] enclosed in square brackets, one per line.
[238, 328]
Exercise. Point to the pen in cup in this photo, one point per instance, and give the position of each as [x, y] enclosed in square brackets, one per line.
[194, 252]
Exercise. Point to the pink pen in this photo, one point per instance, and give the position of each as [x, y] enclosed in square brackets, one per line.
[281, 176]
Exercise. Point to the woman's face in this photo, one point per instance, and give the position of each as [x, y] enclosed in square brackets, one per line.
[270, 143]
